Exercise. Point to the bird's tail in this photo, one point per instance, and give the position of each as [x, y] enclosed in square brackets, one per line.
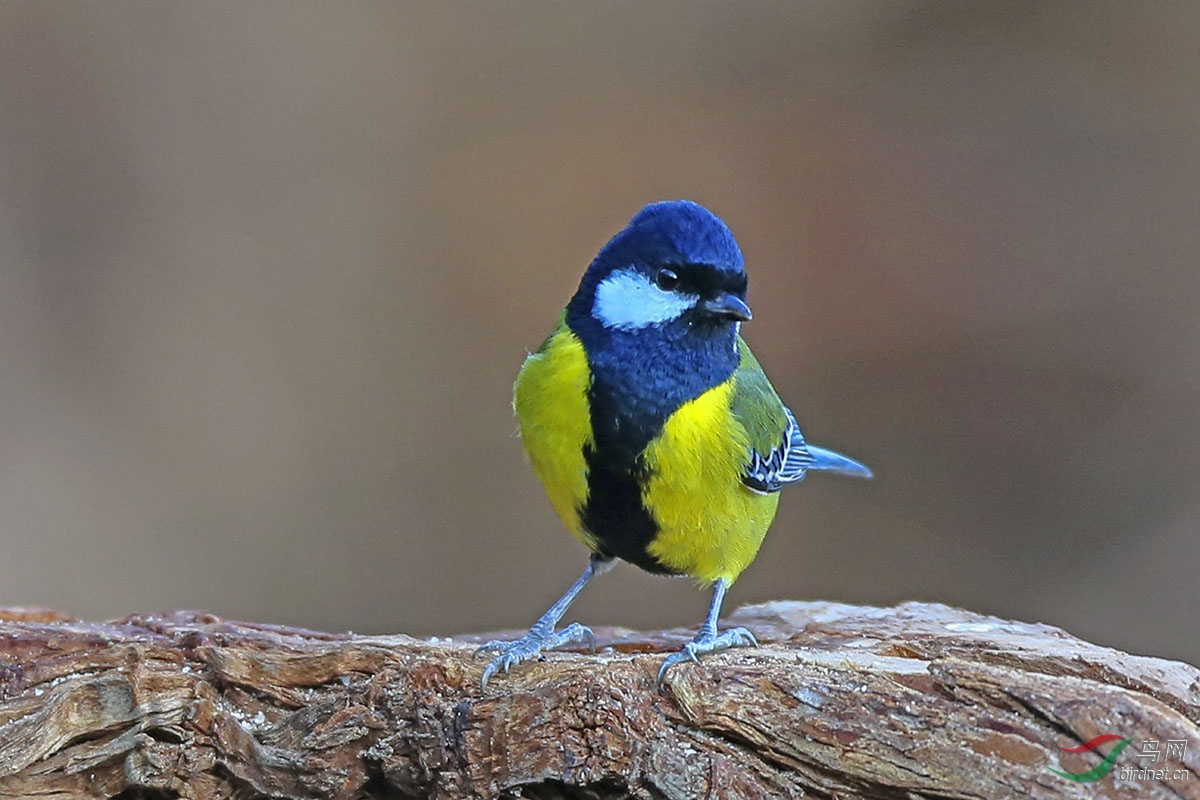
[830, 461]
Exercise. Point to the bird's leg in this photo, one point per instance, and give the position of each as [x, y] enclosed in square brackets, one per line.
[543, 636]
[707, 639]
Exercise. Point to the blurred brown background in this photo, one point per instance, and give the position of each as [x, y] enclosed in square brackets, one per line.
[267, 272]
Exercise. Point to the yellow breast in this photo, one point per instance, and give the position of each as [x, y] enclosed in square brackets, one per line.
[711, 525]
[550, 399]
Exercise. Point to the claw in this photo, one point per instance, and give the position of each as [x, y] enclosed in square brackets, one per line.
[579, 633]
[542, 635]
[706, 642]
[745, 636]
[494, 646]
[530, 645]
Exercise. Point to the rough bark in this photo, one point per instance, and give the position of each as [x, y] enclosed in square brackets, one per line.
[839, 702]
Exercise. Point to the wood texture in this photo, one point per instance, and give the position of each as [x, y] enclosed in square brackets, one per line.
[840, 702]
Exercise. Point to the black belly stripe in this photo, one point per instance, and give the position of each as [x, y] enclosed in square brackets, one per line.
[632, 393]
[614, 514]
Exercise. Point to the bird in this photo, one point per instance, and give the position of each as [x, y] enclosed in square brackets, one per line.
[656, 434]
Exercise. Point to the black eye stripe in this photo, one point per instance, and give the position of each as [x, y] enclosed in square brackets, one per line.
[702, 279]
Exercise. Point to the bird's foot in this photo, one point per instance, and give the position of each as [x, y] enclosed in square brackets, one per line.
[530, 645]
[706, 642]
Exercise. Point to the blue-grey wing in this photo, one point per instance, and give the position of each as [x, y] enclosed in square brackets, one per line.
[791, 460]
[786, 463]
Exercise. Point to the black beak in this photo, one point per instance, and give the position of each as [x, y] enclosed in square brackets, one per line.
[727, 305]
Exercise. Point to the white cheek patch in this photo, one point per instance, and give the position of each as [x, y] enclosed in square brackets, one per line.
[629, 300]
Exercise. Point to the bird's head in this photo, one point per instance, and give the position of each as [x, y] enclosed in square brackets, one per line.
[675, 267]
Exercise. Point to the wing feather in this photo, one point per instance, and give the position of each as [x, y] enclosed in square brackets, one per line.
[778, 454]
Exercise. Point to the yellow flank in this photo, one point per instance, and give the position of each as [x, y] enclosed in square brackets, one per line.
[711, 525]
[550, 399]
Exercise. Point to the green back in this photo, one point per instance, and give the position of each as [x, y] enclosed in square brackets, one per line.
[756, 404]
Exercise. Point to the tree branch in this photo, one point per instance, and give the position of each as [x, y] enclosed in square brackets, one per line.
[840, 702]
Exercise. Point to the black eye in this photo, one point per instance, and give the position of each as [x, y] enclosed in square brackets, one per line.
[666, 279]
